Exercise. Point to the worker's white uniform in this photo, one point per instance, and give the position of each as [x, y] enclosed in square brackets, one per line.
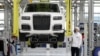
[77, 40]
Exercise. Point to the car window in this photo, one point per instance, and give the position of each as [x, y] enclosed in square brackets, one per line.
[42, 7]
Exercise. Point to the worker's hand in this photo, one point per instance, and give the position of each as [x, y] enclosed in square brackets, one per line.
[70, 40]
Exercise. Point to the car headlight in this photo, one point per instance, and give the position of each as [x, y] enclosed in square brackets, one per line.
[26, 27]
[25, 18]
[57, 27]
[57, 18]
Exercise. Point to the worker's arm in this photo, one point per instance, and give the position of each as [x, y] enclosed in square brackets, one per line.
[70, 39]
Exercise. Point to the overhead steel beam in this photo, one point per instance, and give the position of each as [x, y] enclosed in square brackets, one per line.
[96, 2]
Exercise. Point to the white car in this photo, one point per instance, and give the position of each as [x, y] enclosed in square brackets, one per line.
[43, 23]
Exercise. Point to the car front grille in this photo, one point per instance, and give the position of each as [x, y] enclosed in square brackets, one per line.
[41, 22]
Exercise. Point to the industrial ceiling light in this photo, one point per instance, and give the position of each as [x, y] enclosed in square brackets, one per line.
[1, 6]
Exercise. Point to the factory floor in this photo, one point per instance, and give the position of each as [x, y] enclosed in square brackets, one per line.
[45, 52]
[60, 51]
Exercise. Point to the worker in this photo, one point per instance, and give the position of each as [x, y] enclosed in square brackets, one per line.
[76, 42]
[82, 47]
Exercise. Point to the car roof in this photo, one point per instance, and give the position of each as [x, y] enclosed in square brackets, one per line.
[43, 3]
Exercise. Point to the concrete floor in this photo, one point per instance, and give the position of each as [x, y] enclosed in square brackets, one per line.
[45, 52]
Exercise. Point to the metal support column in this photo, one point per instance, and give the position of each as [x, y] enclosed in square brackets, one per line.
[91, 26]
[7, 18]
[75, 13]
[85, 39]
[81, 11]
[16, 18]
[69, 17]
[83, 20]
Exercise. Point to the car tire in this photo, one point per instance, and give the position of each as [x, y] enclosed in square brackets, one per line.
[22, 36]
[55, 45]
[61, 37]
[33, 45]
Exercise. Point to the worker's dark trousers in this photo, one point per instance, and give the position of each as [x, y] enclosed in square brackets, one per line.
[75, 51]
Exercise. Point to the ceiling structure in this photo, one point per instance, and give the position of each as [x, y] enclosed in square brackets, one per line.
[97, 2]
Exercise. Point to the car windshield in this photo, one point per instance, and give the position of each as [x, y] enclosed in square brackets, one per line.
[42, 7]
